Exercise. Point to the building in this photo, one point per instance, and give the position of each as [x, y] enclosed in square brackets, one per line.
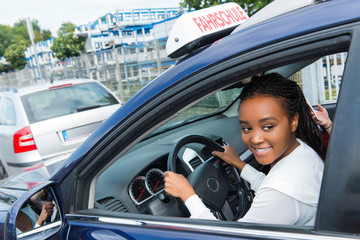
[128, 27]
[122, 49]
[45, 56]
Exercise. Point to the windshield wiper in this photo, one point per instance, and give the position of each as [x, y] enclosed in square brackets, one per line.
[80, 109]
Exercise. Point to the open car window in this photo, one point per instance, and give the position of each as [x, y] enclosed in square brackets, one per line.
[134, 182]
[328, 71]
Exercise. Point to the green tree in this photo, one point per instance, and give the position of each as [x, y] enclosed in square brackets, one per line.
[15, 54]
[68, 46]
[5, 38]
[14, 41]
[66, 28]
[250, 6]
[46, 34]
[20, 32]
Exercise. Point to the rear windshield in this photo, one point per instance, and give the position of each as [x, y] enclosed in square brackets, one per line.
[58, 102]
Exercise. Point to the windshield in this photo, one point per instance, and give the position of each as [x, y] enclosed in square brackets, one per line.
[208, 106]
[57, 102]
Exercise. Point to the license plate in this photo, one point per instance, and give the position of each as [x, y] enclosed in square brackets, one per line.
[65, 136]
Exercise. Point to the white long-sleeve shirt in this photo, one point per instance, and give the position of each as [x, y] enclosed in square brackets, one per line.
[287, 195]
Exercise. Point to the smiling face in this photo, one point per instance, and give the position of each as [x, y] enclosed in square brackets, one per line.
[266, 128]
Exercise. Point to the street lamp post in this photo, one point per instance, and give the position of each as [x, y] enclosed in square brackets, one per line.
[32, 37]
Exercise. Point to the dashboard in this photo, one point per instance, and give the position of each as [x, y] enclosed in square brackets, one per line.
[135, 183]
[143, 188]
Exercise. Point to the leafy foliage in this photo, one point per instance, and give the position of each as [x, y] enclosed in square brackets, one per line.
[14, 41]
[5, 38]
[66, 28]
[68, 46]
[46, 34]
[250, 6]
[15, 54]
[20, 31]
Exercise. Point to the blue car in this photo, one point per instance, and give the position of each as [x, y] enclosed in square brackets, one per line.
[112, 186]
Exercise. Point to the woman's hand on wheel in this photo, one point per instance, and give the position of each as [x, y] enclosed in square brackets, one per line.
[230, 156]
[178, 186]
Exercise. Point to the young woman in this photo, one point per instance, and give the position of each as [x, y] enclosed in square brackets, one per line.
[277, 127]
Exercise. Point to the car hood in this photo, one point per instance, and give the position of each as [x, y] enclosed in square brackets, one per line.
[8, 197]
[13, 187]
[25, 180]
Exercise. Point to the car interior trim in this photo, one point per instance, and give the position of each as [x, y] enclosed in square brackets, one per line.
[188, 155]
[39, 229]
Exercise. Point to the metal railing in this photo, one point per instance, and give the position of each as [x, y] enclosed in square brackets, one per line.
[125, 70]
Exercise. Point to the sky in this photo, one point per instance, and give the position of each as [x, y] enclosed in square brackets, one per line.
[52, 13]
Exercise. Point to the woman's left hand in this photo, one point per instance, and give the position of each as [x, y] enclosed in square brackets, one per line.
[178, 186]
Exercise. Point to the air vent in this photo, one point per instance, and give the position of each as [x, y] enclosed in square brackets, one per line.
[195, 162]
[112, 204]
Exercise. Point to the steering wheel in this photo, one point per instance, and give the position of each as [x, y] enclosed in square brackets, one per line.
[207, 179]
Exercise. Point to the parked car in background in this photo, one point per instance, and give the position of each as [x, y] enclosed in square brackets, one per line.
[112, 186]
[43, 124]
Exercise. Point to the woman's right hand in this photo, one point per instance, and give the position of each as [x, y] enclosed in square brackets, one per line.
[178, 186]
[46, 211]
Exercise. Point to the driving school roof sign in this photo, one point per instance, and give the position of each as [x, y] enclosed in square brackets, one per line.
[195, 29]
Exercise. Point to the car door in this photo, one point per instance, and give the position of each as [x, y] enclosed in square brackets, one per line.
[339, 210]
[135, 226]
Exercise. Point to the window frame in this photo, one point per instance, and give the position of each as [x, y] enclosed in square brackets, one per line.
[340, 213]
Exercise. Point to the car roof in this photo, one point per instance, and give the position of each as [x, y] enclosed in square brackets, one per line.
[43, 86]
[274, 9]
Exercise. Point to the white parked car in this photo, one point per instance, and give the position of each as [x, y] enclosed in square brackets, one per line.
[43, 124]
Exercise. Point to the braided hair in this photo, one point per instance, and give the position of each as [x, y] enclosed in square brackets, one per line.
[292, 100]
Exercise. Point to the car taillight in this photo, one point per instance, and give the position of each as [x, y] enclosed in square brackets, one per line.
[23, 140]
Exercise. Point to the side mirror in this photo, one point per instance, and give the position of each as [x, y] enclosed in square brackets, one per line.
[38, 215]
